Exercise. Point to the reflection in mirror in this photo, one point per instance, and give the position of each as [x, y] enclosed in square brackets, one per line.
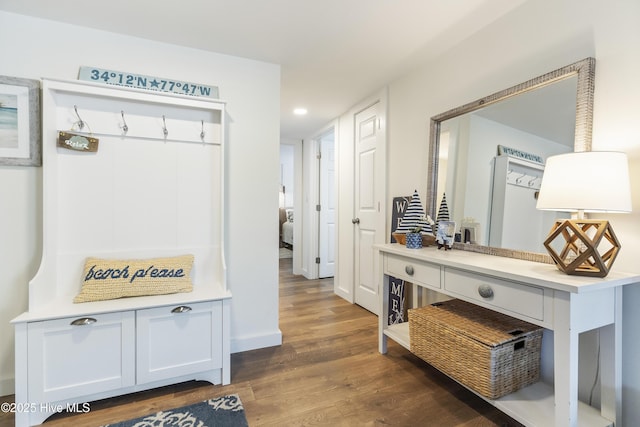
[488, 157]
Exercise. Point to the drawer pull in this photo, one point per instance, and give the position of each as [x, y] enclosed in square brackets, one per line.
[181, 309]
[485, 291]
[409, 270]
[83, 321]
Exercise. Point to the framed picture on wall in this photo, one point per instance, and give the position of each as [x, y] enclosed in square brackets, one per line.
[446, 233]
[20, 143]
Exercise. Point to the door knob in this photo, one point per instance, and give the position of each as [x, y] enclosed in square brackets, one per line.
[355, 221]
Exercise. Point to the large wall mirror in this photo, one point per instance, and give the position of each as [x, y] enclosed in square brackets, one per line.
[486, 159]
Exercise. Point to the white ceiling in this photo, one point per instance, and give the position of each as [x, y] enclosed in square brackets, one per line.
[333, 53]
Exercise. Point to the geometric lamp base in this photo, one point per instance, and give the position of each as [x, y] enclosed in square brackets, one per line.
[583, 247]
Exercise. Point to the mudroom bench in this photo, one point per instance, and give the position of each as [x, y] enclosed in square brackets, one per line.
[130, 176]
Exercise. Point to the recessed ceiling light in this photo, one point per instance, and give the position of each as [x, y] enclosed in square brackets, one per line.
[300, 111]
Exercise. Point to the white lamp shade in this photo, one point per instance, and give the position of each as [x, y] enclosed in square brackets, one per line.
[589, 181]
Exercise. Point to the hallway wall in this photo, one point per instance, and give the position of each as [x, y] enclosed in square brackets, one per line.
[514, 49]
[34, 48]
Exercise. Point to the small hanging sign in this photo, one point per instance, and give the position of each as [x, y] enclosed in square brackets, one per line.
[76, 142]
[139, 81]
[502, 150]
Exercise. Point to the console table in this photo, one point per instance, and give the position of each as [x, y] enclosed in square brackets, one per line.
[539, 294]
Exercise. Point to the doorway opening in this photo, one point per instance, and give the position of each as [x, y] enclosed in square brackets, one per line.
[326, 207]
[286, 197]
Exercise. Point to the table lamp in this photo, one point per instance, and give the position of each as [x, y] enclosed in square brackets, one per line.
[588, 181]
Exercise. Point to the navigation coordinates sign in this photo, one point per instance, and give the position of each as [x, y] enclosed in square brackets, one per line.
[139, 81]
[502, 150]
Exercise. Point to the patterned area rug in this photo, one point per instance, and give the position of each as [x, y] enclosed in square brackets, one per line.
[224, 411]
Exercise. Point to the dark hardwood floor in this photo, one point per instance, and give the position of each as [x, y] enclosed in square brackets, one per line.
[327, 372]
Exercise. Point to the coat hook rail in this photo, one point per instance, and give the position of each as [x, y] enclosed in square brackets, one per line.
[182, 131]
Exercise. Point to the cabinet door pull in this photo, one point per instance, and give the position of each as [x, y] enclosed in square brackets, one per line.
[181, 309]
[409, 270]
[485, 291]
[83, 321]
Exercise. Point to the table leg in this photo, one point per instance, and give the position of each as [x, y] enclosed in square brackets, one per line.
[611, 365]
[565, 342]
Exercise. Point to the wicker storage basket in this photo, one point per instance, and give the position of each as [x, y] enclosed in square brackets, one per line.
[491, 353]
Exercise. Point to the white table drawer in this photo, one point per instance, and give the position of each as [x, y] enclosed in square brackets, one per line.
[414, 271]
[512, 297]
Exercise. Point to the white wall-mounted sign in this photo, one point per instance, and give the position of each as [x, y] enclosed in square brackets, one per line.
[502, 150]
[139, 81]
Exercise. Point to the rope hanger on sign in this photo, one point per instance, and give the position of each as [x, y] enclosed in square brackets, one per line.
[76, 142]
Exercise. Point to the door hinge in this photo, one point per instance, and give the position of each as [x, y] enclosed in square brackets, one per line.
[318, 208]
[318, 260]
[319, 156]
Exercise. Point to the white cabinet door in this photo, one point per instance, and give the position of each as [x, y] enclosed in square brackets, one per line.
[179, 340]
[73, 357]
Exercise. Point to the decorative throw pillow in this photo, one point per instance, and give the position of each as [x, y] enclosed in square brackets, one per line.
[105, 279]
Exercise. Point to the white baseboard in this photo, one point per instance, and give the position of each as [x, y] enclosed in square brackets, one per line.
[254, 342]
[7, 387]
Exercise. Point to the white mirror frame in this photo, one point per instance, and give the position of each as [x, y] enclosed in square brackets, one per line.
[585, 71]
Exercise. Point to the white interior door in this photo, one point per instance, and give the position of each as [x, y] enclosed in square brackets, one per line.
[366, 208]
[326, 223]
